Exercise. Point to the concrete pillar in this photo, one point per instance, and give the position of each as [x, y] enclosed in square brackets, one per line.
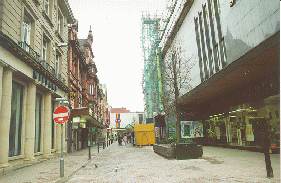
[57, 134]
[47, 126]
[30, 123]
[5, 115]
[1, 82]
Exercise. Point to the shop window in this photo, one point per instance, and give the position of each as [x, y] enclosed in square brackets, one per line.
[38, 109]
[16, 120]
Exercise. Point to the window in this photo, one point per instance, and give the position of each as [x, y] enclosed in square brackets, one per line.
[26, 33]
[59, 24]
[37, 123]
[44, 50]
[57, 63]
[16, 120]
[80, 102]
[91, 89]
[47, 7]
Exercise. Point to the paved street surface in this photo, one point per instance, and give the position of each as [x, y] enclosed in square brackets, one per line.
[141, 164]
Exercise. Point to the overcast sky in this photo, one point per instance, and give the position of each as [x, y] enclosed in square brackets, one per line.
[116, 26]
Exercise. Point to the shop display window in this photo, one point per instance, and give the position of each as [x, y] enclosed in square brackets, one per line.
[243, 125]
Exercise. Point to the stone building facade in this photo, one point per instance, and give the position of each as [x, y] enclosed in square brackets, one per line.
[33, 72]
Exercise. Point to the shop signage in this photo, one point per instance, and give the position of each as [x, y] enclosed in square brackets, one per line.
[82, 125]
[76, 119]
[61, 115]
[72, 95]
[44, 81]
[75, 126]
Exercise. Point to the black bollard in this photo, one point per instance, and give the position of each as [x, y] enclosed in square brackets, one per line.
[89, 152]
[103, 145]
[98, 147]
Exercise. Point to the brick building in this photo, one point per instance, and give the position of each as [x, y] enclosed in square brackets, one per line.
[83, 82]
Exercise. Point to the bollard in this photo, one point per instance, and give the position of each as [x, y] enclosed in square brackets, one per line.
[98, 147]
[89, 152]
[103, 145]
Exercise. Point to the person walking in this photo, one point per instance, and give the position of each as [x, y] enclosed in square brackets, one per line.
[125, 139]
[120, 140]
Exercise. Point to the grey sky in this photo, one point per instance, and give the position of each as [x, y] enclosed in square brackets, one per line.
[116, 26]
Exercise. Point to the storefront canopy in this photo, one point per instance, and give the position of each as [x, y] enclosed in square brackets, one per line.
[88, 116]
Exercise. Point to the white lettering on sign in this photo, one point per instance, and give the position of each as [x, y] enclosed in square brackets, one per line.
[60, 115]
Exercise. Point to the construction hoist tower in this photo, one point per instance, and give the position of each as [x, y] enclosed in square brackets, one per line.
[152, 82]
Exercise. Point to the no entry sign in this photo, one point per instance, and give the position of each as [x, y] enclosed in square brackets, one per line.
[61, 115]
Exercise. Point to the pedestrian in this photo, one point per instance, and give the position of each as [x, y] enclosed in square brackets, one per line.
[129, 138]
[120, 140]
[125, 139]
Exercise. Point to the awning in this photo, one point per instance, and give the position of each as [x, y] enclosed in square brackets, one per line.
[259, 62]
[87, 114]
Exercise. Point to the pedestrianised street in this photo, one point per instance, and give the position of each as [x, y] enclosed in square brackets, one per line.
[141, 164]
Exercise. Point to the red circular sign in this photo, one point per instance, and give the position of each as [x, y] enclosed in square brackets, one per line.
[61, 115]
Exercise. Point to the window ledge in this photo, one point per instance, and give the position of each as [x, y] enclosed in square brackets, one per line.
[59, 35]
[38, 153]
[47, 18]
[16, 157]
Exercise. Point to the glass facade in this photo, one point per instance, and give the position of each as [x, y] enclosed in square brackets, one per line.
[16, 120]
[244, 124]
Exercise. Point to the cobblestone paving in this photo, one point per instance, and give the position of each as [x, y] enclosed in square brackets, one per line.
[140, 164]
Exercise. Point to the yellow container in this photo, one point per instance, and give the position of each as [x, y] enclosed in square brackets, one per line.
[145, 134]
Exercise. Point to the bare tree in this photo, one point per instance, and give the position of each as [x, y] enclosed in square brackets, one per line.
[176, 81]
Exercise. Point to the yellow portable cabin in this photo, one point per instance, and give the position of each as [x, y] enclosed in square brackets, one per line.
[145, 134]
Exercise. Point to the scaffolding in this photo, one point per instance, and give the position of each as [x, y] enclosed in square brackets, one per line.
[152, 85]
[155, 31]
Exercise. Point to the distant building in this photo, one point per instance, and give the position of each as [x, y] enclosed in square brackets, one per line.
[125, 117]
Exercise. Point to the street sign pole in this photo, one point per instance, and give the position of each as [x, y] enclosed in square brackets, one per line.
[61, 158]
[61, 115]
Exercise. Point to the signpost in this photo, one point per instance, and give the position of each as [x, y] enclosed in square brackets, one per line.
[61, 115]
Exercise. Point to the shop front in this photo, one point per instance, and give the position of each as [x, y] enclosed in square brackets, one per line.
[240, 105]
[86, 129]
[244, 125]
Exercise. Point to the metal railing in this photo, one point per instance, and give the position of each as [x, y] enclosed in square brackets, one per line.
[36, 56]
